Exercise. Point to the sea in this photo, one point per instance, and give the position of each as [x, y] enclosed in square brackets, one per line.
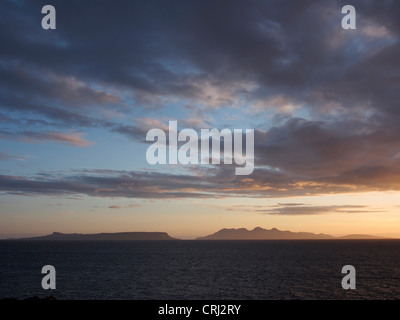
[197, 270]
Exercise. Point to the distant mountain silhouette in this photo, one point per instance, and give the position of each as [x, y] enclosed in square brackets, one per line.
[105, 236]
[273, 234]
[223, 234]
[361, 236]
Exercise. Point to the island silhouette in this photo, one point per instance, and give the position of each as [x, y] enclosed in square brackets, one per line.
[275, 234]
[223, 234]
[105, 236]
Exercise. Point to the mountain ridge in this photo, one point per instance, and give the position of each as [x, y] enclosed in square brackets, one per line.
[259, 233]
[56, 236]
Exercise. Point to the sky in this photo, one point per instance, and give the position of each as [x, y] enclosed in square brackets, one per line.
[76, 103]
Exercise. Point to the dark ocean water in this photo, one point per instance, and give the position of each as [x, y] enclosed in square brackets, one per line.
[201, 269]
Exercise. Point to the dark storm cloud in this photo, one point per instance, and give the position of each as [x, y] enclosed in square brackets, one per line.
[42, 86]
[271, 54]
[158, 49]
[175, 49]
[62, 99]
[318, 149]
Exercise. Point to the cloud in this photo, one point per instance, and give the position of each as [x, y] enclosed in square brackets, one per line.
[281, 55]
[141, 126]
[132, 205]
[291, 204]
[6, 156]
[324, 101]
[73, 138]
[295, 210]
[114, 207]
[297, 158]
[59, 98]
[139, 130]
[324, 153]
[208, 183]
